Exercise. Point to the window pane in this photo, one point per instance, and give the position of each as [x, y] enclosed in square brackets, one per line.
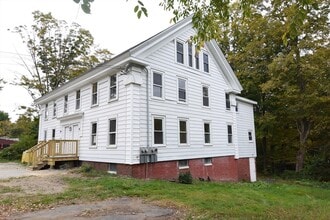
[183, 163]
[113, 80]
[227, 101]
[179, 52]
[93, 139]
[112, 92]
[157, 91]
[205, 91]
[94, 99]
[78, 94]
[183, 126]
[206, 128]
[250, 136]
[112, 139]
[182, 84]
[157, 79]
[190, 54]
[206, 101]
[207, 138]
[182, 95]
[94, 87]
[229, 128]
[183, 138]
[158, 137]
[158, 124]
[112, 125]
[94, 128]
[206, 62]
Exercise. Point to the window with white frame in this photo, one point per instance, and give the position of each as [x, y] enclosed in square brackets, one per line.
[196, 59]
[208, 161]
[230, 134]
[206, 62]
[113, 87]
[179, 52]
[94, 94]
[94, 134]
[46, 111]
[183, 164]
[206, 96]
[190, 54]
[250, 135]
[66, 99]
[207, 133]
[112, 168]
[112, 131]
[77, 99]
[157, 88]
[158, 130]
[54, 110]
[183, 131]
[45, 135]
[227, 101]
[182, 90]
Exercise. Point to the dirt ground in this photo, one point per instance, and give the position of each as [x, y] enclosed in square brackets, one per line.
[23, 181]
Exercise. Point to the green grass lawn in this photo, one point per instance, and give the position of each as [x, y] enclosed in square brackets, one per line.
[203, 200]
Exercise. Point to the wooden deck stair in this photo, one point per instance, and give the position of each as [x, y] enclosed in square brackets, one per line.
[49, 152]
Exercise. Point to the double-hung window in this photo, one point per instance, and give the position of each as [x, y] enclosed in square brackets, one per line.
[158, 130]
[190, 55]
[227, 101]
[157, 88]
[183, 131]
[250, 135]
[66, 99]
[230, 134]
[207, 133]
[206, 101]
[54, 110]
[112, 131]
[179, 52]
[94, 134]
[94, 94]
[196, 60]
[206, 62]
[113, 87]
[77, 99]
[46, 111]
[182, 90]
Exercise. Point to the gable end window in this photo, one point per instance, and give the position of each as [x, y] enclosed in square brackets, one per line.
[94, 134]
[46, 111]
[207, 133]
[206, 96]
[157, 88]
[112, 131]
[250, 135]
[197, 60]
[77, 99]
[182, 88]
[179, 52]
[183, 132]
[190, 55]
[54, 110]
[227, 101]
[113, 87]
[158, 130]
[94, 94]
[230, 134]
[206, 62]
[65, 110]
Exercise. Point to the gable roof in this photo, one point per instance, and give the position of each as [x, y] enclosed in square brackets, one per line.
[132, 55]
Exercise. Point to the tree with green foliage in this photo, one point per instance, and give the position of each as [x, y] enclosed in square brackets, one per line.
[290, 81]
[59, 52]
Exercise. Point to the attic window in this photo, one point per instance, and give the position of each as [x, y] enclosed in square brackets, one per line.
[179, 52]
[190, 55]
[206, 62]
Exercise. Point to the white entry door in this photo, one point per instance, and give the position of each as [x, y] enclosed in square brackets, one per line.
[71, 132]
[253, 173]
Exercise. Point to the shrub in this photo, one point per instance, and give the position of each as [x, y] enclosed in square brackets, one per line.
[185, 178]
[14, 152]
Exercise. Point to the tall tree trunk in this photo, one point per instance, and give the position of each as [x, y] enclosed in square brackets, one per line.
[303, 126]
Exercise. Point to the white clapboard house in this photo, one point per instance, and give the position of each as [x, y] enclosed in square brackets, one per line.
[158, 109]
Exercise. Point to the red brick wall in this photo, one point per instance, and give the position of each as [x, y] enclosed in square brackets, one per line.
[243, 169]
[222, 169]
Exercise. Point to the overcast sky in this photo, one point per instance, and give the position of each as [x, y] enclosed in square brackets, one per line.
[112, 23]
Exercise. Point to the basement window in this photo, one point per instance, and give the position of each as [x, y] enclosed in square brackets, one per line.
[112, 168]
[183, 164]
[207, 161]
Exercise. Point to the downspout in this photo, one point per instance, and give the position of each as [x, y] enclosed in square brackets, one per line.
[148, 70]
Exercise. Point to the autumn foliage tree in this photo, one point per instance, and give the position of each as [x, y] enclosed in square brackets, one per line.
[58, 51]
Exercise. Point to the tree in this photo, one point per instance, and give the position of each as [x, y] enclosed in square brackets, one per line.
[208, 15]
[59, 52]
[2, 82]
[5, 124]
[4, 116]
[290, 81]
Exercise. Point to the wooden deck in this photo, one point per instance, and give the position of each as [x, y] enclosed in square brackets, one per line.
[49, 152]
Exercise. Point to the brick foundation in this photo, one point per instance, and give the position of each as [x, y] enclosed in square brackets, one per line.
[222, 169]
